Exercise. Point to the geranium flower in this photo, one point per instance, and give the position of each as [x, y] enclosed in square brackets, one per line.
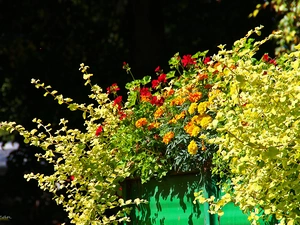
[113, 89]
[155, 83]
[206, 60]
[159, 101]
[145, 94]
[99, 130]
[118, 101]
[188, 60]
[157, 69]
[162, 78]
[265, 57]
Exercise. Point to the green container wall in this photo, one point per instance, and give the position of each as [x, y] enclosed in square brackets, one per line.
[171, 203]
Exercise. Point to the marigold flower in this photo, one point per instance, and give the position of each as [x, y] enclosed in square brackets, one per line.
[195, 97]
[99, 130]
[153, 125]
[158, 113]
[202, 76]
[168, 137]
[196, 119]
[205, 121]
[203, 146]
[192, 108]
[196, 130]
[193, 148]
[202, 107]
[177, 101]
[168, 93]
[189, 127]
[207, 86]
[177, 117]
[141, 122]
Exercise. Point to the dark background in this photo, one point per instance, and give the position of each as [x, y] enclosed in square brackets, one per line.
[48, 39]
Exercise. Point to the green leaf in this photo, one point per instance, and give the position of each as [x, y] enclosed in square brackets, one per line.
[146, 80]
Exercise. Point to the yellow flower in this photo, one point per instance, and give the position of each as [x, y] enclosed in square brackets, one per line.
[196, 131]
[205, 121]
[196, 119]
[189, 128]
[159, 112]
[141, 122]
[193, 148]
[202, 107]
[177, 101]
[192, 108]
[168, 137]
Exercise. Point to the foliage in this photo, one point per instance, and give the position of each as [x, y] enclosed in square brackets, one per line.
[288, 12]
[159, 129]
[257, 116]
[229, 109]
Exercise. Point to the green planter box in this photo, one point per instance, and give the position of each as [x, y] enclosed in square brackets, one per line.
[171, 203]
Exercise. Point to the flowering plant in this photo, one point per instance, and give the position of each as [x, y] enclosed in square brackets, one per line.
[202, 114]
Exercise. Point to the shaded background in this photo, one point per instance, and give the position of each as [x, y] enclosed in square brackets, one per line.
[48, 39]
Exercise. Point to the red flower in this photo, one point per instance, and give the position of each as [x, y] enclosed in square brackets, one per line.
[145, 94]
[99, 130]
[72, 177]
[157, 101]
[265, 57]
[113, 89]
[206, 60]
[155, 83]
[162, 78]
[122, 115]
[273, 61]
[157, 69]
[188, 60]
[118, 102]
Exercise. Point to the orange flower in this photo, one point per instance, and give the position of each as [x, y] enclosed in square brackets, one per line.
[189, 128]
[168, 93]
[159, 112]
[177, 101]
[202, 76]
[177, 117]
[153, 125]
[168, 137]
[141, 122]
[195, 97]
